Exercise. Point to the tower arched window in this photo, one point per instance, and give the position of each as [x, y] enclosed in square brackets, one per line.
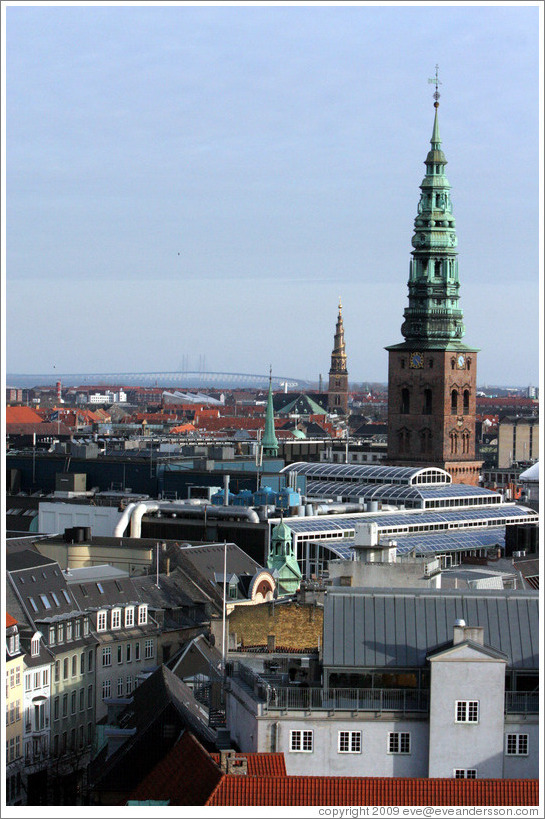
[405, 401]
[437, 268]
[427, 408]
[466, 402]
[454, 402]
[452, 363]
[453, 443]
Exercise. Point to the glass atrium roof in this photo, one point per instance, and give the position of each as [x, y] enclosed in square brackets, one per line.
[370, 473]
[498, 515]
[399, 493]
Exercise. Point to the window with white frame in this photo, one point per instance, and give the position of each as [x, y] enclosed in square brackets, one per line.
[106, 689]
[77, 629]
[120, 686]
[129, 616]
[516, 745]
[137, 651]
[467, 711]
[350, 742]
[60, 633]
[142, 615]
[102, 617]
[301, 741]
[106, 656]
[465, 773]
[51, 635]
[148, 649]
[399, 742]
[69, 630]
[129, 684]
[116, 618]
[85, 626]
[35, 645]
[45, 676]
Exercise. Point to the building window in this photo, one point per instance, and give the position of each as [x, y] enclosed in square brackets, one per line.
[101, 621]
[65, 705]
[60, 633]
[129, 616]
[51, 635]
[137, 651]
[465, 773]
[399, 742]
[466, 402]
[120, 686]
[82, 663]
[90, 661]
[65, 668]
[405, 401]
[116, 618]
[350, 742]
[301, 741]
[129, 684]
[120, 654]
[89, 696]
[85, 626]
[427, 402]
[106, 689]
[467, 711]
[73, 699]
[68, 631]
[45, 676]
[81, 736]
[142, 615]
[454, 402]
[57, 670]
[82, 699]
[148, 649]
[106, 656]
[74, 665]
[77, 629]
[516, 745]
[56, 708]
[129, 653]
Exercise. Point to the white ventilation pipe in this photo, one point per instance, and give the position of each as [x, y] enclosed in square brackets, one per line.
[123, 521]
[137, 515]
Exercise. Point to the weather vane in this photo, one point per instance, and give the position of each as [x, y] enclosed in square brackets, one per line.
[437, 82]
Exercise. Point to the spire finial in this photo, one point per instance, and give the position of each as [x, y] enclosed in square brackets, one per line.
[437, 82]
[340, 304]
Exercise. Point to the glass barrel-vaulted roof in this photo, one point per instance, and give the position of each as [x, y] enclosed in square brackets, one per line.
[456, 518]
[368, 473]
[401, 493]
[437, 542]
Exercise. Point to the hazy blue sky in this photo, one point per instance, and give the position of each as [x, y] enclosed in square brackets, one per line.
[191, 181]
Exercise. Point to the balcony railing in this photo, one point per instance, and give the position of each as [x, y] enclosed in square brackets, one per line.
[347, 699]
[521, 702]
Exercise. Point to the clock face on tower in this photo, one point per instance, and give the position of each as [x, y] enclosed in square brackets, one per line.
[460, 361]
[416, 361]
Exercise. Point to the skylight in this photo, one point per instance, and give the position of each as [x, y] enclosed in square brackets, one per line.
[99, 587]
[66, 596]
[33, 604]
[55, 599]
[45, 601]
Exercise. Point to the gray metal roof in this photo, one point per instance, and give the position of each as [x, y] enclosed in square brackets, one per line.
[400, 493]
[376, 628]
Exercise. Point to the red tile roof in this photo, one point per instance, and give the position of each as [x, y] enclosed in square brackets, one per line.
[10, 621]
[337, 790]
[261, 764]
[185, 776]
[22, 415]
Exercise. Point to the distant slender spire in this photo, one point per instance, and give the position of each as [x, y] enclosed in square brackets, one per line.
[269, 442]
[338, 356]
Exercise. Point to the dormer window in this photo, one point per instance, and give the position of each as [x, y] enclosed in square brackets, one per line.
[101, 621]
[51, 635]
[142, 615]
[68, 631]
[77, 629]
[85, 626]
[35, 645]
[129, 616]
[60, 633]
[116, 618]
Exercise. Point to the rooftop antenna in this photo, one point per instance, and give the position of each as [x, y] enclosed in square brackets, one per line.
[437, 82]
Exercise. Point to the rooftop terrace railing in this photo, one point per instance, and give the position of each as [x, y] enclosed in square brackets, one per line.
[347, 699]
[521, 702]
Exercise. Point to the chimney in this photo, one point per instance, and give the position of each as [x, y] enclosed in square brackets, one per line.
[464, 632]
[226, 479]
[271, 642]
[230, 763]
[167, 566]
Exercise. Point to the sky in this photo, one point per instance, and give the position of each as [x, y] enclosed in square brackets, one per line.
[195, 184]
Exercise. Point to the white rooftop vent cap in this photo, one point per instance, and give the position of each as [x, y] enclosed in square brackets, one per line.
[459, 622]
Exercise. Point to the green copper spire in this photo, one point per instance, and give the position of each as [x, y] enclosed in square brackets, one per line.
[269, 444]
[433, 317]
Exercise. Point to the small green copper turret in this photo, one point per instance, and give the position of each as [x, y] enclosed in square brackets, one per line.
[269, 444]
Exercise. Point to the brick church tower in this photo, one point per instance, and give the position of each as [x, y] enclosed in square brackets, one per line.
[337, 394]
[432, 374]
